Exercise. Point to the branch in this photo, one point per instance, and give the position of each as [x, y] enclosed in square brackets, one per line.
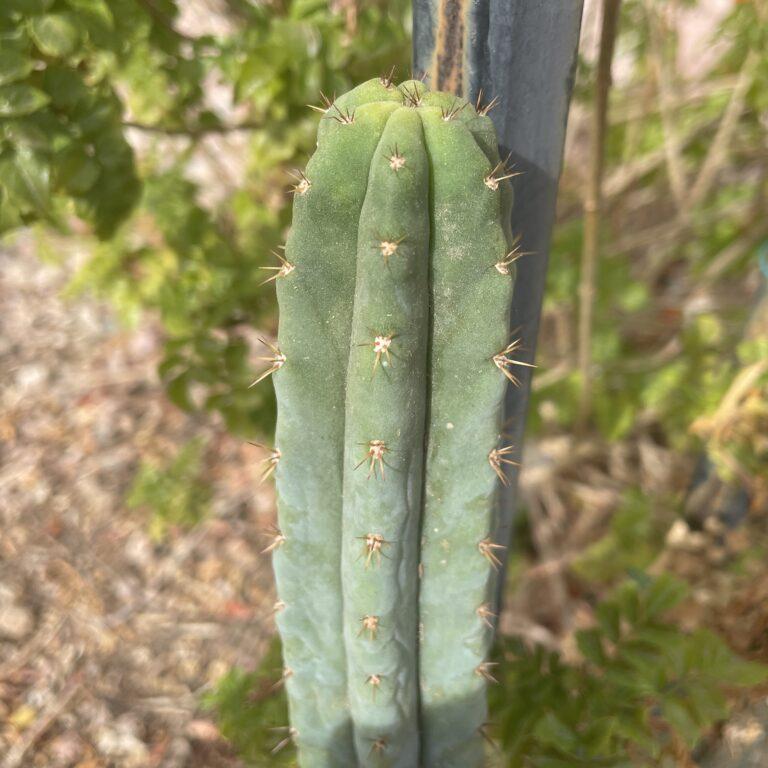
[193, 132]
[675, 166]
[719, 148]
[593, 203]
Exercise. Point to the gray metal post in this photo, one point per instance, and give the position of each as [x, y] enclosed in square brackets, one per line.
[524, 52]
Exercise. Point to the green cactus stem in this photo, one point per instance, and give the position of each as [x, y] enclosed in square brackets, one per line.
[390, 370]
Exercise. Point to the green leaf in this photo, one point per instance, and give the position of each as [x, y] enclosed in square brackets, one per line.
[26, 178]
[554, 732]
[250, 710]
[18, 99]
[609, 618]
[178, 392]
[77, 172]
[10, 217]
[665, 593]
[706, 703]
[678, 716]
[14, 66]
[94, 12]
[555, 762]
[28, 6]
[660, 637]
[591, 646]
[55, 34]
[65, 87]
[633, 727]
[26, 131]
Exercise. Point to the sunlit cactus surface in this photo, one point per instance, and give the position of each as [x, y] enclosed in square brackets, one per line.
[390, 369]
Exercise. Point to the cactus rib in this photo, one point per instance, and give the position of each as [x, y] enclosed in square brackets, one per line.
[390, 368]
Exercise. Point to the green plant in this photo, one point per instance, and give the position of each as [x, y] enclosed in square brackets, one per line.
[104, 107]
[174, 492]
[634, 539]
[390, 372]
[251, 710]
[643, 693]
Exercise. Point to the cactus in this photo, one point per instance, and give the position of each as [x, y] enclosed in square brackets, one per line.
[390, 369]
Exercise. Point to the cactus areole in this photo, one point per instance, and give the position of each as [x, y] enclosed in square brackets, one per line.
[390, 371]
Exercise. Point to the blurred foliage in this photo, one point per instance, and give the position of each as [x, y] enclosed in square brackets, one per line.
[252, 712]
[670, 305]
[633, 540]
[642, 695]
[641, 692]
[736, 430]
[79, 78]
[174, 492]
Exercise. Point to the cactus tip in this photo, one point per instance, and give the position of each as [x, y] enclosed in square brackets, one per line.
[484, 110]
[272, 460]
[302, 185]
[499, 173]
[381, 348]
[344, 116]
[389, 247]
[292, 734]
[327, 103]
[378, 746]
[482, 729]
[375, 682]
[503, 265]
[287, 672]
[278, 606]
[388, 80]
[450, 113]
[412, 96]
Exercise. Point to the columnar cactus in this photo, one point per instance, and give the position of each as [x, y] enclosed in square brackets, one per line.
[390, 370]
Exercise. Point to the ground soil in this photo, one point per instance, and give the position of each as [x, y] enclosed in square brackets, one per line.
[108, 639]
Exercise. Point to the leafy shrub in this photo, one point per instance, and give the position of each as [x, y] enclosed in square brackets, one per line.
[645, 691]
[252, 712]
[80, 78]
[175, 493]
[634, 538]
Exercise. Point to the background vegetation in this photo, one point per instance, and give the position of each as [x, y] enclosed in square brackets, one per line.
[118, 125]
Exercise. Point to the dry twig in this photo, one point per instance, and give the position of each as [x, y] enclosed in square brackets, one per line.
[592, 203]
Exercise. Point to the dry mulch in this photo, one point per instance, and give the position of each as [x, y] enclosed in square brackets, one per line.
[107, 638]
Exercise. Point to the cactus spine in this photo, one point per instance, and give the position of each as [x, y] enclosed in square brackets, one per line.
[390, 370]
